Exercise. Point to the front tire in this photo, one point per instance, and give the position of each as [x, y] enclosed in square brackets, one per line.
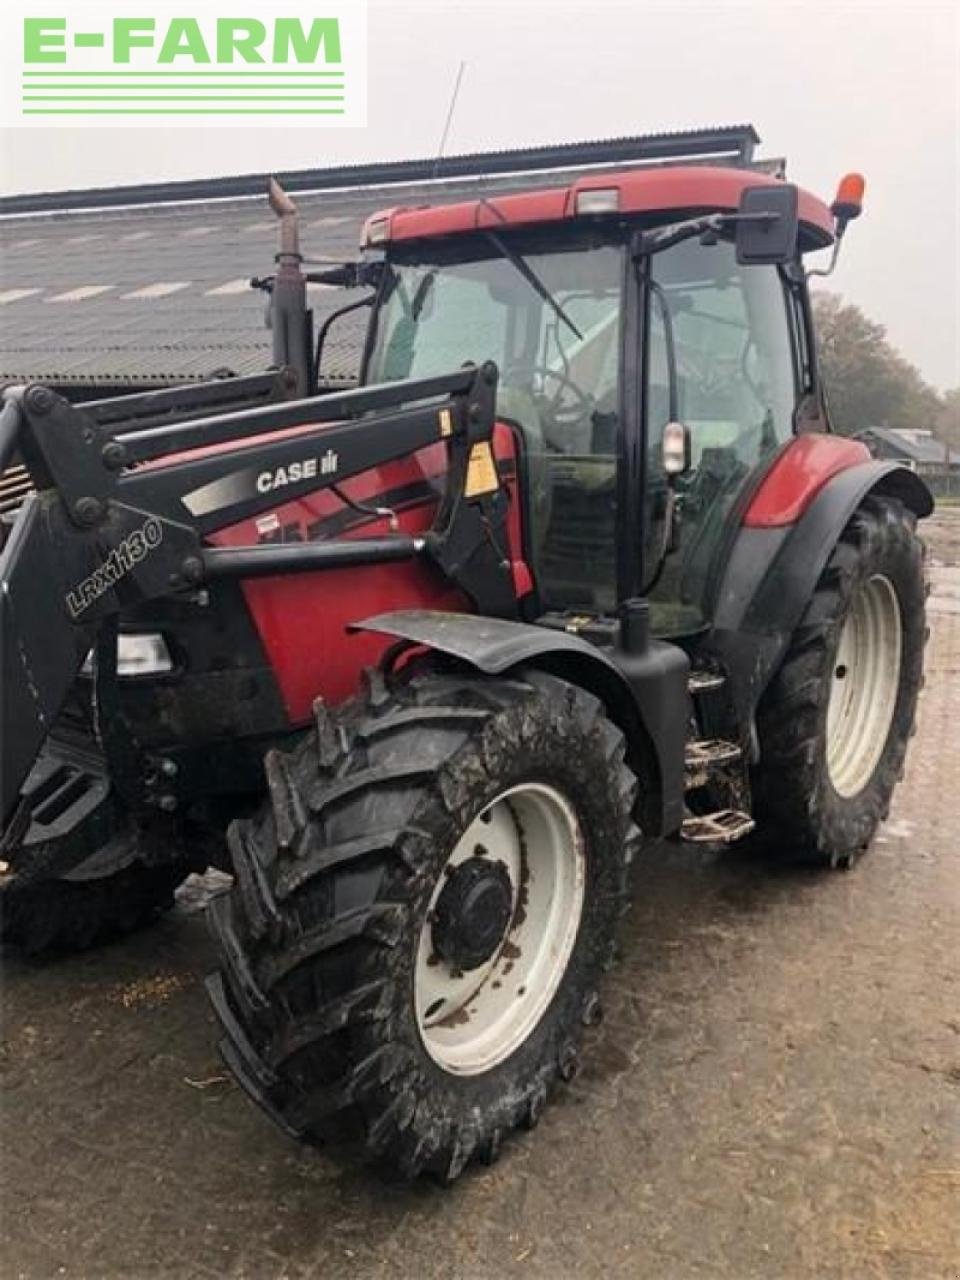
[383, 977]
[834, 725]
[61, 916]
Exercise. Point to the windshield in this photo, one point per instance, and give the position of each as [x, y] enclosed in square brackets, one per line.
[548, 312]
[557, 347]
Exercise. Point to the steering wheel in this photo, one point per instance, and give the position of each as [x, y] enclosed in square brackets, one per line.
[582, 409]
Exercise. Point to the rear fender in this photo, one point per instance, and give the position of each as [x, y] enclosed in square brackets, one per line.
[773, 571]
[651, 707]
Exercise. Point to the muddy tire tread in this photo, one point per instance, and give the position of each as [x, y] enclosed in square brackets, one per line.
[327, 882]
[801, 818]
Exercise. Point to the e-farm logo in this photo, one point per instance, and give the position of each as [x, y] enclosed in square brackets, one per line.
[98, 63]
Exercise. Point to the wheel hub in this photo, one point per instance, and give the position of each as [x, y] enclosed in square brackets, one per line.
[865, 685]
[500, 928]
[472, 913]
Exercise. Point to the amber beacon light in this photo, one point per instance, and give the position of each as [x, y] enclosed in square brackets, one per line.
[848, 202]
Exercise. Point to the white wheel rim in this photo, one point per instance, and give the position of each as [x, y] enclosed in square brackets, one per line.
[864, 687]
[469, 1022]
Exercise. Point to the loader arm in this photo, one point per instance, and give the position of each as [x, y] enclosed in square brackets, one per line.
[121, 514]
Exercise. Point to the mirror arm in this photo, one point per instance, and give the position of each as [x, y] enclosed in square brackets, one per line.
[357, 305]
[828, 269]
[648, 243]
[349, 275]
[840, 227]
[651, 242]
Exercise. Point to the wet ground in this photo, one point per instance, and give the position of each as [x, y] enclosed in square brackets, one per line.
[775, 1090]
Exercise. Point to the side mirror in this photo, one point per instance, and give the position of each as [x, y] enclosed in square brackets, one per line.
[768, 224]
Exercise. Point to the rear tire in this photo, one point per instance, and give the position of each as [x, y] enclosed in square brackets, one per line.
[835, 722]
[321, 991]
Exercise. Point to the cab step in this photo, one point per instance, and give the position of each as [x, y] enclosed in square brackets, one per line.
[705, 681]
[722, 827]
[704, 755]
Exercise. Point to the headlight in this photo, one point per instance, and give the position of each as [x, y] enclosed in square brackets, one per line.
[138, 655]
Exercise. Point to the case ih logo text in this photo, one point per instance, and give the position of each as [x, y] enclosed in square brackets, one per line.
[308, 469]
[121, 561]
[91, 64]
[239, 487]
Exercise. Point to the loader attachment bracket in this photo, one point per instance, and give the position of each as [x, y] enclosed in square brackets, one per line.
[59, 583]
[109, 529]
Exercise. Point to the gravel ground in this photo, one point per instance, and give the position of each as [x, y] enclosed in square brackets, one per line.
[775, 1090]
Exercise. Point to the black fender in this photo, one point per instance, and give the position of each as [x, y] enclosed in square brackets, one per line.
[650, 704]
[771, 574]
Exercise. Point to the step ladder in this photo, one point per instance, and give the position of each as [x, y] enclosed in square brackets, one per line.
[722, 827]
[719, 760]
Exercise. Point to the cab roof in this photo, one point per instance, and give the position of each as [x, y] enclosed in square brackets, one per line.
[669, 190]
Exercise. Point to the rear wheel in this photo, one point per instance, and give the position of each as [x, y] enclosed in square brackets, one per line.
[835, 723]
[423, 912]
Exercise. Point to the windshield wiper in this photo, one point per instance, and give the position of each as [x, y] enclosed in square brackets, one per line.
[423, 291]
[533, 280]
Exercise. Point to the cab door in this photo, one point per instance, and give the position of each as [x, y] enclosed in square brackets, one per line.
[737, 391]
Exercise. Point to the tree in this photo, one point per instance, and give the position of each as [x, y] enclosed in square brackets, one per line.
[948, 422]
[868, 382]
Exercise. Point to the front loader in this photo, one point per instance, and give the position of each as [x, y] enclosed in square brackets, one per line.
[578, 567]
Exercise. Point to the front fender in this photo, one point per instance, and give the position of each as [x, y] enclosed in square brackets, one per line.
[651, 705]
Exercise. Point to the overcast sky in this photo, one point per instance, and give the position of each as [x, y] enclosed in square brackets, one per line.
[832, 85]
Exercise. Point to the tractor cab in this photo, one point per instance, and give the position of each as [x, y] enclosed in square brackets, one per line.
[623, 330]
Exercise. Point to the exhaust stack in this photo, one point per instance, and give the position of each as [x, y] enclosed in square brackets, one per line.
[291, 321]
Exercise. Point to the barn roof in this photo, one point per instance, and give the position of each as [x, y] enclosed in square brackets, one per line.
[916, 446]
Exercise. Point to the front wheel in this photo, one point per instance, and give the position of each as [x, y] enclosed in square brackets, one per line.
[57, 916]
[835, 722]
[423, 913]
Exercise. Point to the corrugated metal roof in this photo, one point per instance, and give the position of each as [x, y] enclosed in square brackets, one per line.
[137, 330]
[721, 143]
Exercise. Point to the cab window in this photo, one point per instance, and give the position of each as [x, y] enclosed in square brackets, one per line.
[736, 393]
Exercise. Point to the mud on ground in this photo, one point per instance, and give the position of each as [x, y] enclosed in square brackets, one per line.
[775, 1090]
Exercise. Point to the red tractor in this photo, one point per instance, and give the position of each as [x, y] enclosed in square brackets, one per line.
[578, 567]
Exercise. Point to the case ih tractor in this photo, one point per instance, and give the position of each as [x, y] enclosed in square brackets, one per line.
[578, 567]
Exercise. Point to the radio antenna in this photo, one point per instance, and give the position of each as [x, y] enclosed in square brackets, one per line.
[446, 126]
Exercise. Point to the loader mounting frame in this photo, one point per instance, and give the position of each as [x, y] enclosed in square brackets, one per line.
[107, 530]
